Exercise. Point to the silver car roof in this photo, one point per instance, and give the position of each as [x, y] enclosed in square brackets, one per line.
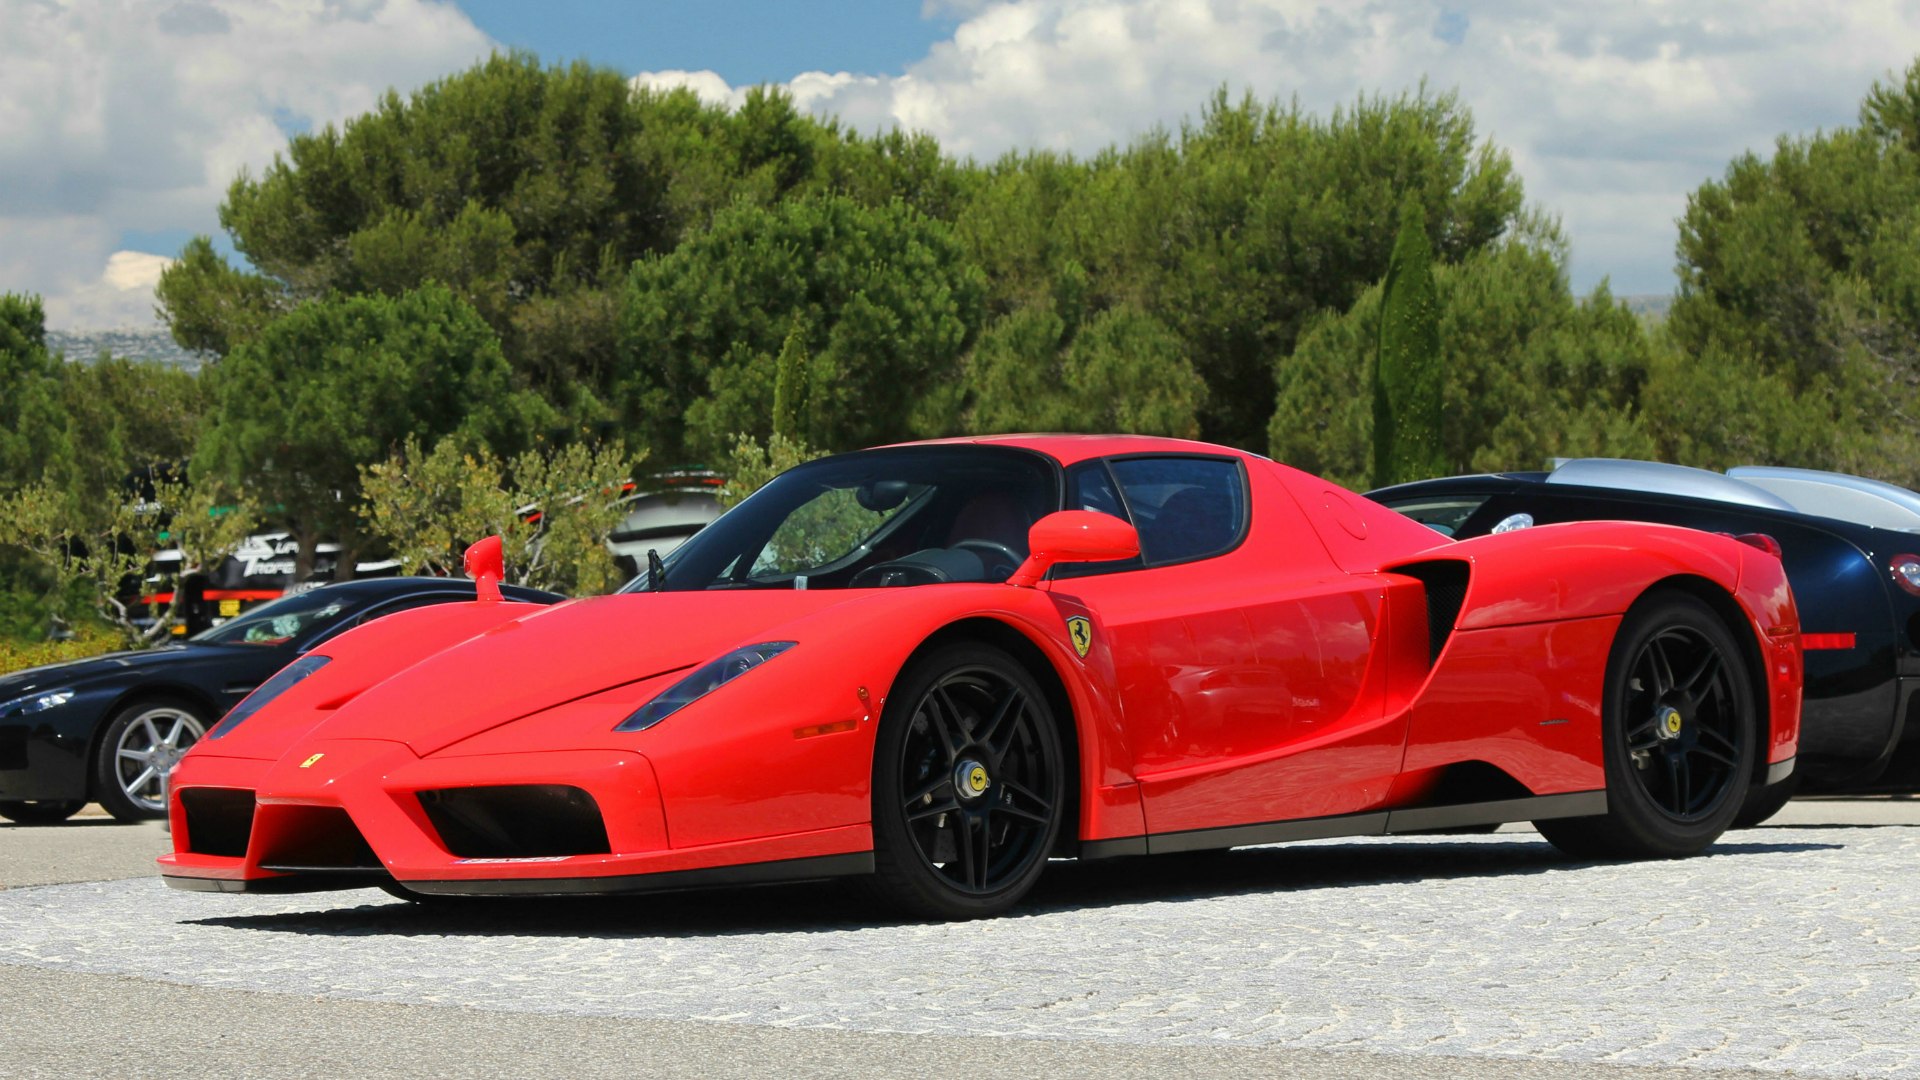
[1838, 495]
[1660, 478]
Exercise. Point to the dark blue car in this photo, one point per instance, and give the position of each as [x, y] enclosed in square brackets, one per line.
[107, 729]
[1851, 547]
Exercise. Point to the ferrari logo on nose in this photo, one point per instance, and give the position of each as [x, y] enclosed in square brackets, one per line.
[308, 764]
[1081, 631]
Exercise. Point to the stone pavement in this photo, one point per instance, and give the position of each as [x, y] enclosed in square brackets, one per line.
[1784, 949]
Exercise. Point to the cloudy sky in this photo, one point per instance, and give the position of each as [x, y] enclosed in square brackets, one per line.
[122, 121]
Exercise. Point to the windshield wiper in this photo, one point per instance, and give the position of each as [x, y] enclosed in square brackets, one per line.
[656, 570]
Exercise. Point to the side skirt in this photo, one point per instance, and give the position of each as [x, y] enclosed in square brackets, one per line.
[1375, 823]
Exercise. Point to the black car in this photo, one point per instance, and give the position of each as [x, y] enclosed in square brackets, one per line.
[109, 728]
[1851, 548]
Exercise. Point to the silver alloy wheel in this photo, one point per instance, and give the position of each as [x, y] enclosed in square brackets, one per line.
[149, 747]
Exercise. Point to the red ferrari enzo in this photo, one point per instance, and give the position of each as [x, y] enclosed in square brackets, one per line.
[941, 664]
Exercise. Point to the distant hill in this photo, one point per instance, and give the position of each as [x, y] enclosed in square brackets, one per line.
[1651, 305]
[156, 345]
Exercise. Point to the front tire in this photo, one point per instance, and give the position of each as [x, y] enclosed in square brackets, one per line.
[142, 742]
[40, 811]
[1678, 736]
[969, 785]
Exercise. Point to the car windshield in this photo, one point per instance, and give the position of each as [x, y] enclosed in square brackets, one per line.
[880, 518]
[281, 621]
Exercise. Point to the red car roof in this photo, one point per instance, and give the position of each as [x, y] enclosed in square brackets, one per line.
[1070, 449]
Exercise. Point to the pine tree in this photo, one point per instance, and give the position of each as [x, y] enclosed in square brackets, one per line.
[1408, 379]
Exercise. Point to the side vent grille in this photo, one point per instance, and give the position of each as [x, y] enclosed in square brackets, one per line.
[1446, 582]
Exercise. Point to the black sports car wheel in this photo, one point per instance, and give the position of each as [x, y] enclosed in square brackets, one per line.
[141, 744]
[39, 811]
[1678, 734]
[968, 785]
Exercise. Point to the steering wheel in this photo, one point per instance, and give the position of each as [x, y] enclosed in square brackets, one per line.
[990, 550]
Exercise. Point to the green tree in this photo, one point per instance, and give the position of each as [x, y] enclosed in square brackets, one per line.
[101, 550]
[1532, 371]
[339, 383]
[124, 417]
[886, 299]
[1409, 375]
[429, 506]
[1240, 229]
[1122, 371]
[75, 432]
[528, 191]
[32, 430]
[752, 464]
[1797, 320]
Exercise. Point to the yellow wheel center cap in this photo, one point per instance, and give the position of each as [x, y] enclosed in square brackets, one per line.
[971, 778]
[1670, 722]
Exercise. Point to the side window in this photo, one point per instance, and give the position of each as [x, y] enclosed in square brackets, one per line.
[1090, 487]
[1185, 507]
[1444, 514]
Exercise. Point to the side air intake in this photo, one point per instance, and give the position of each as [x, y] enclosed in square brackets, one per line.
[1446, 582]
[517, 821]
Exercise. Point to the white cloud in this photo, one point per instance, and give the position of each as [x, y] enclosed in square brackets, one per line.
[707, 85]
[120, 115]
[121, 296]
[1614, 110]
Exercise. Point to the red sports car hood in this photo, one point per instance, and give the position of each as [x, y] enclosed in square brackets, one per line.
[556, 654]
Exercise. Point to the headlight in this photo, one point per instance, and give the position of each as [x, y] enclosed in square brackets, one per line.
[33, 703]
[704, 680]
[267, 691]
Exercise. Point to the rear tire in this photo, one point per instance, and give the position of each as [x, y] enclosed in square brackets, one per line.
[1763, 803]
[1677, 736]
[40, 811]
[969, 786]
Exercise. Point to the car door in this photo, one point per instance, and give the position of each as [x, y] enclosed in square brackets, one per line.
[1242, 655]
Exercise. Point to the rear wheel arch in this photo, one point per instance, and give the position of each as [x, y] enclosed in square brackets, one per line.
[1026, 652]
[1740, 625]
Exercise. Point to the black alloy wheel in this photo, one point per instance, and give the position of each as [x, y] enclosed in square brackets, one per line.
[39, 811]
[969, 785]
[1678, 733]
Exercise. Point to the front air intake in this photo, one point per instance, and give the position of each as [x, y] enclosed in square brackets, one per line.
[1446, 582]
[219, 821]
[520, 821]
[313, 840]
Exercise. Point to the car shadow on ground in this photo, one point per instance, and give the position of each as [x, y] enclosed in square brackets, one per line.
[70, 823]
[1067, 886]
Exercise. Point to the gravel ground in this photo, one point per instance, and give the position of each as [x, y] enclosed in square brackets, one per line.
[1792, 948]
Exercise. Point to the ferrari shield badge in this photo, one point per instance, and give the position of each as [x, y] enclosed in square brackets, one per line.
[308, 764]
[1081, 631]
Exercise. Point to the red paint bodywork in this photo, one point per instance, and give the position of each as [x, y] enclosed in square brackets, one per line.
[1289, 678]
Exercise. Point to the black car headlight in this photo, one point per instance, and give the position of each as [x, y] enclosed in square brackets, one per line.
[267, 691]
[705, 680]
[39, 701]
